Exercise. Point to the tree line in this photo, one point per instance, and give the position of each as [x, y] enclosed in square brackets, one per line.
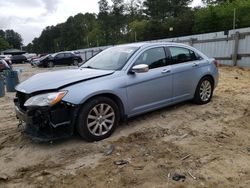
[140, 20]
[10, 39]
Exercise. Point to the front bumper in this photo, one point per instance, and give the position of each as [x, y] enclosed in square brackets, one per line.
[47, 123]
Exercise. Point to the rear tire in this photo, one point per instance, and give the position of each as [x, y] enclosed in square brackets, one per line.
[204, 91]
[98, 119]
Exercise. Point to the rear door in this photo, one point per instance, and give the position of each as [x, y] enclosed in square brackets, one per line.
[153, 89]
[68, 58]
[185, 69]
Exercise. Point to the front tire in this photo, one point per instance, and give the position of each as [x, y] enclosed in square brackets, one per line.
[50, 64]
[75, 63]
[98, 119]
[204, 91]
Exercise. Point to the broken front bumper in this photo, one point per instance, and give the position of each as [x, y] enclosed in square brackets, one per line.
[47, 123]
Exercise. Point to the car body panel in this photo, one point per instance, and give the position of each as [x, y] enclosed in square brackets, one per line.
[82, 91]
[7, 58]
[4, 65]
[178, 87]
[184, 80]
[57, 79]
[137, 92]
[141, 89]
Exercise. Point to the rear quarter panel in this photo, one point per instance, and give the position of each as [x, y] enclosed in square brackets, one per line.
[208, 68]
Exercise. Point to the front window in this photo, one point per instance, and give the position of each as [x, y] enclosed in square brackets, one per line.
[111, 59]
[59, 56]
[154, 58]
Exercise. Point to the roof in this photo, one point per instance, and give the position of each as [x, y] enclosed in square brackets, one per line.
[13, 51]
[148, 44]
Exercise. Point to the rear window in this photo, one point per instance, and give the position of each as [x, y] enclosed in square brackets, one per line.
[68, 55]
[182, 55]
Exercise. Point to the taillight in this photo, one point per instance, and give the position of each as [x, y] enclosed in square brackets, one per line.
[216, 63]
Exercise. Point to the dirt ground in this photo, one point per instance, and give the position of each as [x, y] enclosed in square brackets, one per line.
[209, 145]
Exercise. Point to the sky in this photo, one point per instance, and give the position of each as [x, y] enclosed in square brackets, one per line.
[30, 17]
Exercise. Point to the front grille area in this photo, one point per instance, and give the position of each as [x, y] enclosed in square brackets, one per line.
[22, 97]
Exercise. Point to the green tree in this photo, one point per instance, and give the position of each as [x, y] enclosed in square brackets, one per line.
[206, 20]
[162, 9]
[134, 10]
[28, 48]
[104, 21]
[220, 17]
[137, 29]
[2, 33]
[216, 2]
[117, 20]
[13, 38]
[139, 20]
[4, 44]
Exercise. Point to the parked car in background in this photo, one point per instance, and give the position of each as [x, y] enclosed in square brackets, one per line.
[7, 58]
[39, 60]
[30, 56]
[17, 59]
[118, 83]
[4, 65]
[61, 58]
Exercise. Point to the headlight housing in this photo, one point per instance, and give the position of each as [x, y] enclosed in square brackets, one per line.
[48, 99]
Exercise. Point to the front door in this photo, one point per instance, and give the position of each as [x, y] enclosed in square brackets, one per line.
[153, 89]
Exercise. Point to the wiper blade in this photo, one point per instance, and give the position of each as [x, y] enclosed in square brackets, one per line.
[89, 67]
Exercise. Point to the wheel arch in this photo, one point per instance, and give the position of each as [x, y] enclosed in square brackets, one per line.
[113, 97]
[202, 77]
[208, 76]
[197, 99]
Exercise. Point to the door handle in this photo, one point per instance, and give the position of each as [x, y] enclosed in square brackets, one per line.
[166, 71]
[195, 65]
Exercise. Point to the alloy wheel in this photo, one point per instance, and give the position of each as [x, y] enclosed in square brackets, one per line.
[101, 119]
[205, 90]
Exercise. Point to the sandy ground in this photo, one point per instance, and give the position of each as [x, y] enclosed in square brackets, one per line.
[209, 145]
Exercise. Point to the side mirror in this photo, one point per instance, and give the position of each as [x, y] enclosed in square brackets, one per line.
[141, 68]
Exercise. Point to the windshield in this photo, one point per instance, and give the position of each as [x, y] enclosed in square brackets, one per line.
[54, 55]
[44, 57]
[111, 59]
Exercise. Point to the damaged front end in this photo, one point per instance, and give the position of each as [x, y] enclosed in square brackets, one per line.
[45, 116]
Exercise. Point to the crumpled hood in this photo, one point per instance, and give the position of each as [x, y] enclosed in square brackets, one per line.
[58, 79]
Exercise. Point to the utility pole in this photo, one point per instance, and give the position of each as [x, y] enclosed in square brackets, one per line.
[88, 41]
[135, 36]
[236, 37]
[234, 21]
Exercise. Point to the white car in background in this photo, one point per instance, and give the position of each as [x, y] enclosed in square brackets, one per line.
[7, 59]
[30, 56]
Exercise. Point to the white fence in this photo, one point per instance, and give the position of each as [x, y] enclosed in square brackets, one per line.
[229, 47]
